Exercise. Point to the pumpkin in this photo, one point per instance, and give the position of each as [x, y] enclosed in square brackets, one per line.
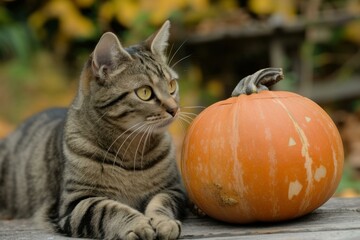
[261, 155]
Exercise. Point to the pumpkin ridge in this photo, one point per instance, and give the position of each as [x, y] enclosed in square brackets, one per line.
[330, 134]
[304, 153]
[234, 147]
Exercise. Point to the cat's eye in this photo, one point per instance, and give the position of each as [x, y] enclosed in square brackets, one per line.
[144, 93]
[172, 86]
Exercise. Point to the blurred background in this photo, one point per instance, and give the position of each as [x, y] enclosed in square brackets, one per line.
[214, 44]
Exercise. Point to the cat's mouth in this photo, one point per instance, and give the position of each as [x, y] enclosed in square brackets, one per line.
[160, 120]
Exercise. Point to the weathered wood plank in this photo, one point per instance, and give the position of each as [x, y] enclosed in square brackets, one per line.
[335, 215]
[338, 219]
[333, 235]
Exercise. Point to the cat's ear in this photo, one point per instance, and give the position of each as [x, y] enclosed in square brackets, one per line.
[107, 53]
[158, 42]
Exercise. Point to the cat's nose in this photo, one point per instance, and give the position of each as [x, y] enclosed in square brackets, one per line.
[172, 111]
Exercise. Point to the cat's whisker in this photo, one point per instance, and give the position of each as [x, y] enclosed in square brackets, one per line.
[182, 112]
[188, 116]
[145, 142]
[185, 120]
[177, 50]
[144, 145]
[107, 151]
[188, 120]
[131, 138]
[203, 107]
[122, 144]
[170, 52]
[182, 125]
[101, 117]
[172, 66]
[140, 141]
[141, 130]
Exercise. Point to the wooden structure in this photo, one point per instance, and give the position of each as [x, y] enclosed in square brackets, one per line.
[234, 51]
[338, 219]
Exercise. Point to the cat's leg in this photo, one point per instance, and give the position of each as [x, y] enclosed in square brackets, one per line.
[97, 217]
[164, 209]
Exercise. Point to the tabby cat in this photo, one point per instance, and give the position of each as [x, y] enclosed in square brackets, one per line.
[104, 168]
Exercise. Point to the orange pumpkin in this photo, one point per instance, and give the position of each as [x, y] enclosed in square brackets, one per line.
[262, 155]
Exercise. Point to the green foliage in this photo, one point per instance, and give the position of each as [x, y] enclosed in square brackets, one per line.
[348, 181]
[16, 41]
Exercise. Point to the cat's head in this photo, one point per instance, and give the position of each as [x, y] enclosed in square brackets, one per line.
[130, 87]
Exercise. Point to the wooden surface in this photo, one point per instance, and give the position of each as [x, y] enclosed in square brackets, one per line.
[339, 218]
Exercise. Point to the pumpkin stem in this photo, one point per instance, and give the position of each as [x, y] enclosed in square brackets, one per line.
[258, 81]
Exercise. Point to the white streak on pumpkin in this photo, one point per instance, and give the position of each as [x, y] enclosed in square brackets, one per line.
[334, 147]
[272, 171]
[320, 173]
[292, 142]
[272, 175]
[267, 134]
[294, 189]
[305, 153]
[238, 168]
[200, 168]
[335, 161]
[308, 119]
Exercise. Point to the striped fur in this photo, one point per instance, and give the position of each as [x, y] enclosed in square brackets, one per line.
[104, 168]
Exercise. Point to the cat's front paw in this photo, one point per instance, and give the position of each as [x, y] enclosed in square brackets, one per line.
[142, 229]
[166, 229]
